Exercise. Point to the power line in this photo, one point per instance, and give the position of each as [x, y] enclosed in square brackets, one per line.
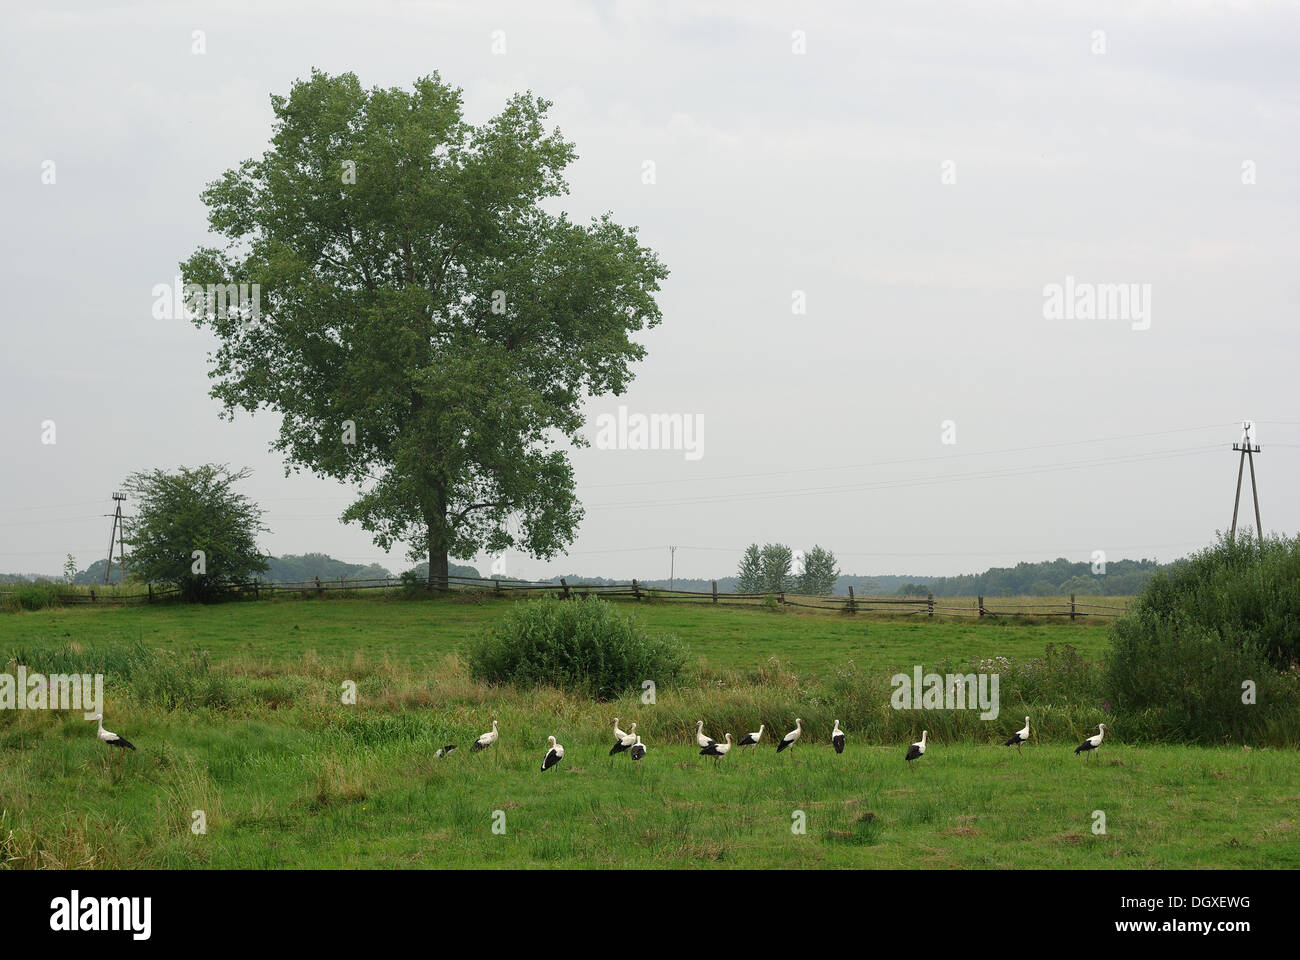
[912, 481]
[918, 553]
[885, 463]
[32, 523]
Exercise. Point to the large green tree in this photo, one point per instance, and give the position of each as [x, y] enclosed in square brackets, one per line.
[426, 326]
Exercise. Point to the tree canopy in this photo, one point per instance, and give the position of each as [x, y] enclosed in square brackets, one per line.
[425, 326]
[820, 572]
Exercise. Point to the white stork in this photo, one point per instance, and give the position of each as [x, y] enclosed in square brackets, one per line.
[111, 738]
[638, 749]
[619, 733]
[751, 739]
[917, 750]
[789, 739]
[487, 739]
[1019, 737]
[700, 737]
[443, 751]
[837, 738]
[715, 749]
[1092, 743]
[553, 755]
[627, 743]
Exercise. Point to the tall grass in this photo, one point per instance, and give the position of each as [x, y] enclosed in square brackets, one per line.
[31, 596]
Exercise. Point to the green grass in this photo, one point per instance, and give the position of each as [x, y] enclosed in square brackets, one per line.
[239, 715]
[725, 638]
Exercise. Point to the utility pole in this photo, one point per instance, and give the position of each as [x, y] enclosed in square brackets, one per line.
[116, 533]
[672, 567]
[1248, 451]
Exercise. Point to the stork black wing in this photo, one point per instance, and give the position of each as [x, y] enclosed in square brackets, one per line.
[122, 742]
[838, 742]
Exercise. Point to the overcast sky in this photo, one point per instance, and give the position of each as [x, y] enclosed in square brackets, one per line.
[1114, 143]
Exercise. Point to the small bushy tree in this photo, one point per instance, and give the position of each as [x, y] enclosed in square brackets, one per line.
[189, 512]
[776, 560]
[819, 573]
[749, 579]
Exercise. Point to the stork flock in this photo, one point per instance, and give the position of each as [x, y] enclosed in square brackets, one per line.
[629, 742]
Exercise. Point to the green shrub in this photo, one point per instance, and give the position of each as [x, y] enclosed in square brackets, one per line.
[1199, 631]
[582, 645]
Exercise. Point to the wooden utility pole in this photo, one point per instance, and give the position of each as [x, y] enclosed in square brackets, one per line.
[1248, 451]
[118, 533]
[672, 567]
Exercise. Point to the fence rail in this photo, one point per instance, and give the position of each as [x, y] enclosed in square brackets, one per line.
[928, 606]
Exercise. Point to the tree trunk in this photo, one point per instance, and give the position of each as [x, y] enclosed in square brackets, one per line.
[436, 520]
[437, 568]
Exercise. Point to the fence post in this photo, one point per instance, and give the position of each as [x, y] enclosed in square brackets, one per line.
[564, 583]
[150, 592]
[715, 591]
[853, 605]
[636, 589]
[930, 605]
[92, 594]
[981, 606]
[498, 588]
[1071, 606]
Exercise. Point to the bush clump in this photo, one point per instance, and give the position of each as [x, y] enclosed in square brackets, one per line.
[582, 645]
[1181, 658]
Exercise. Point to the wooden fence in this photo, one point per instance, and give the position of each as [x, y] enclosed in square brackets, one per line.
[928, 606]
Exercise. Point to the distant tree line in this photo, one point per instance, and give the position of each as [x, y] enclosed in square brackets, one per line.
[1048, 578]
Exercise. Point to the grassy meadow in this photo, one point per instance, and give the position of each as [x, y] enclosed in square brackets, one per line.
[236, 710]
